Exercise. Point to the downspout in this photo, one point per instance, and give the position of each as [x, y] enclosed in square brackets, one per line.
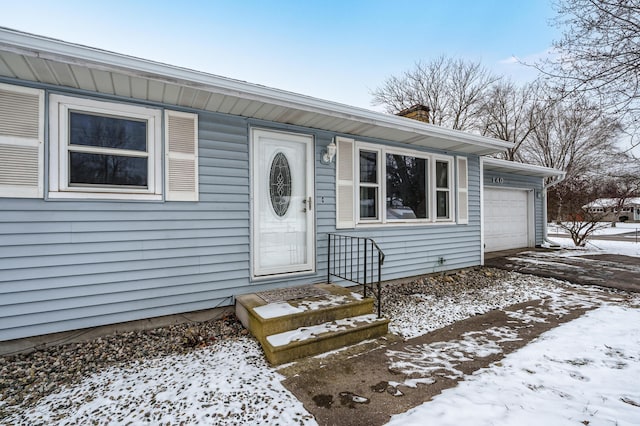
[556, 181]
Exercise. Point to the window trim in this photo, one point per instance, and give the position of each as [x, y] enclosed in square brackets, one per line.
[450, 189]
[382, 179]
[59, 108]
[378, 151]
[415, 154]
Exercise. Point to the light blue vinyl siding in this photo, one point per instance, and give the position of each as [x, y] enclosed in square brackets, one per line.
[410, 250]
[523, 182]
[415, 249]
[73, 264]
[70, 264]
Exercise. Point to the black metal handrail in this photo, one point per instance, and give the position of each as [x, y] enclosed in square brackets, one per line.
[358, 260]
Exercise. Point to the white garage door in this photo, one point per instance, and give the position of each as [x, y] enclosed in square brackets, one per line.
[506, 219]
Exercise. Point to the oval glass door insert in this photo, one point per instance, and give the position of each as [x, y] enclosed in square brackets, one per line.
[280, 184]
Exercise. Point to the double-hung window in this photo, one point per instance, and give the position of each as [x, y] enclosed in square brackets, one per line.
[394, 186]
[104, 150]
[97, 149]
[443, 180]
[369, 185]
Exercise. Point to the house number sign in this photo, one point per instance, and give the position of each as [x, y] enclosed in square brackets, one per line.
[497, 180]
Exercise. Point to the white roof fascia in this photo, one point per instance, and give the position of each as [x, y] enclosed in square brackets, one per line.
[531, 169]
[70, 53]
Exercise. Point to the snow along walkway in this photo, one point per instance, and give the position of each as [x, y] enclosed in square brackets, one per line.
[561, 378]
[370, 387]
[229, 382]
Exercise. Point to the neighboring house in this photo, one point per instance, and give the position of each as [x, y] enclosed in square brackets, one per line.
[131, 189]
[609, 208]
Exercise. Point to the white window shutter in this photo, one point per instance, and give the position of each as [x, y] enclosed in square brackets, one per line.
[21, 142]
[463, 190]
[181, 154]
[345, 187]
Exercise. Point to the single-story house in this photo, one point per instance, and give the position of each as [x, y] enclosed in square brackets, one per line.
[131, 189]
[610, 210]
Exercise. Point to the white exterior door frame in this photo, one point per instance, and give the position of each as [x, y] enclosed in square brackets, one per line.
[282, 192]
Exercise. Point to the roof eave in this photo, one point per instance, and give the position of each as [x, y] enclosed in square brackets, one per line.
[75, 54]
[527, 169]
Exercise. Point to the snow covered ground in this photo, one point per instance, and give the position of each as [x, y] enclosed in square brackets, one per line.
[621, 228]
[627, 248]
[561, 378]
[421, 313]
[228, 383]
[583, 371]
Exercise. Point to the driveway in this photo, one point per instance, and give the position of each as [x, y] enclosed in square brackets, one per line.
[605, 270]
[394, 376]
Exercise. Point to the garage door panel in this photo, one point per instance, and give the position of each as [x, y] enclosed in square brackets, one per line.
[505, 219]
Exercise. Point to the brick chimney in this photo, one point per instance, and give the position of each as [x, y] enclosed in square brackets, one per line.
[417, 112]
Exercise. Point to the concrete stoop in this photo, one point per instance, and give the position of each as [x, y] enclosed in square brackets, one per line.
[292, 329]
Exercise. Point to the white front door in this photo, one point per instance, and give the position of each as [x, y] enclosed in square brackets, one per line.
[282, 203]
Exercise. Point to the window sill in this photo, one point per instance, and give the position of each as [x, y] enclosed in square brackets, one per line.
[104, 196]
[408, 224]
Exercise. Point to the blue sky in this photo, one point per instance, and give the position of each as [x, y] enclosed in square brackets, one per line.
[335, 50]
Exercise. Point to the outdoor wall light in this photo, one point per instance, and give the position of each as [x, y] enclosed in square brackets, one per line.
[329, 153]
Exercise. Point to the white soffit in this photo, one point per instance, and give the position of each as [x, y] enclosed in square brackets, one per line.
[504, 166]
[40, 59]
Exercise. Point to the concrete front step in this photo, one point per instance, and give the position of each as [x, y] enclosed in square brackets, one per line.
[317, 339]
[310, 325]
[262, 318]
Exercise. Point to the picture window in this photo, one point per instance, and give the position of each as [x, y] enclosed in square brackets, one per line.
[104, 150]
[398, 186]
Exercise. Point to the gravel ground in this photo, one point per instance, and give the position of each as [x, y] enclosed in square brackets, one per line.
[26, 378]
[433, 302]
[414, 308]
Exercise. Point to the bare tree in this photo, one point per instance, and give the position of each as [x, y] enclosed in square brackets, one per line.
[572, 135]
[511, 113]
[577, 219]
[599, 53]
[453, 89]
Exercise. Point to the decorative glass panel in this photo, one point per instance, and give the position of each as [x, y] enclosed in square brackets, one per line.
[280, 184]
[368, 167]
[368, 202]
[107, 132]
[102, 169]
[406, 187]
